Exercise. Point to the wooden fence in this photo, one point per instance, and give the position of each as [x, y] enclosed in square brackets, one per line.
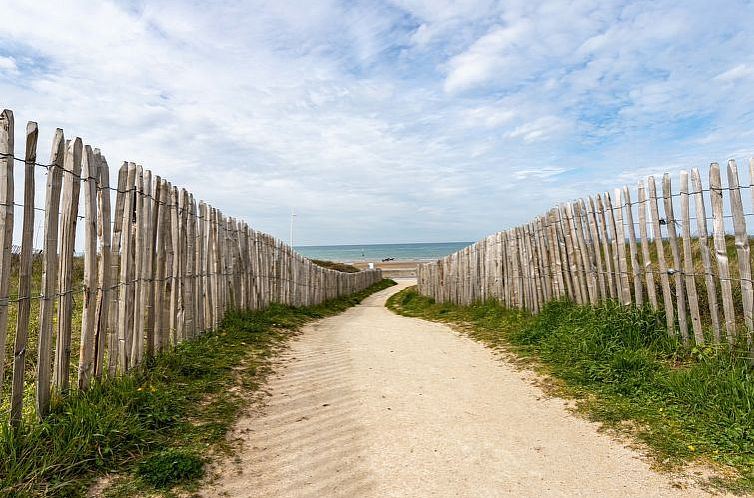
[158, 268]
[646, 249]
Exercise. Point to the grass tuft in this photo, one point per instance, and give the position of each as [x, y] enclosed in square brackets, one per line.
[170, 467]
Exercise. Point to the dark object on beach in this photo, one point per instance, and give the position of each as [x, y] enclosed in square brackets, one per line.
[388, 259]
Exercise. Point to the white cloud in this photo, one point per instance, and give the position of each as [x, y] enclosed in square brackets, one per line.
[539, 174]
[487, 58]
[491, 116]
[540, 129]
[741, 71]
[374, 109]
[8, 64]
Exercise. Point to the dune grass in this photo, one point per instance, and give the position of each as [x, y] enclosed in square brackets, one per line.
[157, 425]
[686, 403]
[334, 265]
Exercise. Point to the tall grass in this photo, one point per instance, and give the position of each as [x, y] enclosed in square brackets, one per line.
[31, 346]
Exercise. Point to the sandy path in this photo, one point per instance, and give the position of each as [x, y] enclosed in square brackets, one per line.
[370, 404]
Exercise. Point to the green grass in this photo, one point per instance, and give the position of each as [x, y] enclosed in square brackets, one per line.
[699, 271]
[333, 265]
[170, 467]
[172, 413]
[619, 362]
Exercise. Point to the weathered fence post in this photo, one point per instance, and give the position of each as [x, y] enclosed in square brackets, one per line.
[49, 273]
[71, 188]
[24, 278]
[88, 319]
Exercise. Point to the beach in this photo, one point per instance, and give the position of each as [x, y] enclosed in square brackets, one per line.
[404, 257]
[391, 269]
[365, 253]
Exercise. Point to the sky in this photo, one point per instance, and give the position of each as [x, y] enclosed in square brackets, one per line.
[387, 121]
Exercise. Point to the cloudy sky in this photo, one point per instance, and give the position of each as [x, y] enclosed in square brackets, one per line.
[387, 121]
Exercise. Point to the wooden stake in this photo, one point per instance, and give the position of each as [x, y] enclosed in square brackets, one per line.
[554, 243]
[688, 260]
[574, 255]
[591, 214]
[680, 290]
[709, 280]
[161, 334]
[175, 281]
[49, 273]
[24, 278]
[190, 235]
[545, 259]
[113, 320]
[742, 244]
[721, 251]
[90, 173]
[102, 319]
[6, 223]
[200, 270]
[137, 336]
[661, 263]
[565, 256]
[646, 259]
[170, 277]
[615, 222]
[612, 281]
[71, 188]
[586, 266]
[635, 268]
[126, 262]
[153, 204]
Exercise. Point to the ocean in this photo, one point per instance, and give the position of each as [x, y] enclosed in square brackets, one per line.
[378, 252]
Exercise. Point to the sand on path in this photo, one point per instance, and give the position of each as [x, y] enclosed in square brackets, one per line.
[371, 404]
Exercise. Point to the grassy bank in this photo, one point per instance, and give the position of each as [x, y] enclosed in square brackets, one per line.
[685, 404]
[334, 265]
[156, 426]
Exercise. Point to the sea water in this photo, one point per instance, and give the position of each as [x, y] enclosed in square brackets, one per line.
[378, 252]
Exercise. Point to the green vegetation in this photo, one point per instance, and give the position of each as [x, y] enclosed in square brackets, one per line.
[164, 416]
[333, 265]
[619, 362]
[170, 467]
[699, 272]
[31, 346]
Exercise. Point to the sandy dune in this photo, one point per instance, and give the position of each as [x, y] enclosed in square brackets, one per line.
[370, 404]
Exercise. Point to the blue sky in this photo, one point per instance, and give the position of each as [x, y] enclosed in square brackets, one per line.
[388, 121]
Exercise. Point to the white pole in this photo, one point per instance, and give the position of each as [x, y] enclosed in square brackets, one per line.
[293, 215]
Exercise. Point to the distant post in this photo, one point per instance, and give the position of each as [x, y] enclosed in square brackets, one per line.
[293, 215]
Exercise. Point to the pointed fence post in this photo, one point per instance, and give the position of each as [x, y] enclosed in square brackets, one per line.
[24, 279]
[70, 207]
[7, 127]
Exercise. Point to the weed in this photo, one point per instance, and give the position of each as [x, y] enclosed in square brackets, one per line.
[170, 467]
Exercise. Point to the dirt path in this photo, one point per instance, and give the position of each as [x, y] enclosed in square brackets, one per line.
[370, 404]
